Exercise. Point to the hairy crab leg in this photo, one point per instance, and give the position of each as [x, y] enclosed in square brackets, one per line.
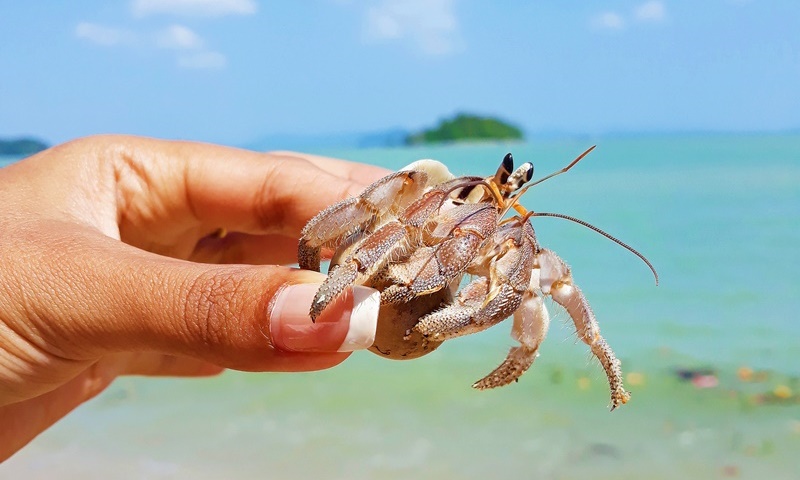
[505, 266]
[556, 280]
[471, 312]
[371, 254]
[531, 322]
[387, 196]
[322, 230]
[393, 239]
[458, 235]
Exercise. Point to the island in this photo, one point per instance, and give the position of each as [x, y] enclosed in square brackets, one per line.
[21, 147]
[466, 127]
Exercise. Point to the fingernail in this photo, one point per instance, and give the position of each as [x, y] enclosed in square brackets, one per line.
[363, 319]
[346, 325]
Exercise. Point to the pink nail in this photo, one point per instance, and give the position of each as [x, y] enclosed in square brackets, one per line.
[347, 324]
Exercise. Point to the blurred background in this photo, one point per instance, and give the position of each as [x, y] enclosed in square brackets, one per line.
[696, 113]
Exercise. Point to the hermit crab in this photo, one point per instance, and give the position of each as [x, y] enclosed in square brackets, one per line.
[415, 234]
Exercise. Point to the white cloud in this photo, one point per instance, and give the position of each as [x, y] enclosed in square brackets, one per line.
[608, 21]
[106, 36]
[203, 60]
[652, 11]
[174, 37]
[190, 48]
[431, 24]
[178, 37]
[198, 8]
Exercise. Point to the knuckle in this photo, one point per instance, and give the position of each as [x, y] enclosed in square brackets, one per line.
[95, 380]
[284, 204]
[211, 300]
[269, 209]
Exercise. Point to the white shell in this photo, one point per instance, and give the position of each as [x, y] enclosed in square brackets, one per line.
[436, 170]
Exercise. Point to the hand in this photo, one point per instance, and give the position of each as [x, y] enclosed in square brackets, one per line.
[101, 244]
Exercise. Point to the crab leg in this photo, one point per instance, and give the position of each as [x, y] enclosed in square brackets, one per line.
[556, 280]
[322, 230]
[330, 227]
[505, 271]
[455, 237]
[371, 254]
[474, 310]
[389, 241]
[531, 322]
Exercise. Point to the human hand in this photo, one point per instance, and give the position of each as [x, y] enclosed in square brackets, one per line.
[107, 268]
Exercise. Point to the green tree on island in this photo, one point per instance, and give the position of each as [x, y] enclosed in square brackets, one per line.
[466, 127]
[21, 146]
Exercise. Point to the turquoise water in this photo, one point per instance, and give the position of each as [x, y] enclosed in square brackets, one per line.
[719, 217]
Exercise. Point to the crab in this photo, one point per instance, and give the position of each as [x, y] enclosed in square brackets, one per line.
[416, 233]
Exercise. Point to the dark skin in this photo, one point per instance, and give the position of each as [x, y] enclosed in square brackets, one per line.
[110, 265]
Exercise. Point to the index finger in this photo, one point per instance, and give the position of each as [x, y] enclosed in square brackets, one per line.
[358, 172]
[239, 190]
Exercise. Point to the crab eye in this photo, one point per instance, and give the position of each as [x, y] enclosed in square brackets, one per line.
[529, 174]
[521, 175]
[508, 162]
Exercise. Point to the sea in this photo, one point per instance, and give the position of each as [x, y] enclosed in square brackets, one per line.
[712, 353]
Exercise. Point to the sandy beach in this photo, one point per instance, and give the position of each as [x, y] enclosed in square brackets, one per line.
[378, 419]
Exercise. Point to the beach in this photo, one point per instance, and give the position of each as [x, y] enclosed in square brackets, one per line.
[710, 354]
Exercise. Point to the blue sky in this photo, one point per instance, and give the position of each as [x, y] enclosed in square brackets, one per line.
[232, 71]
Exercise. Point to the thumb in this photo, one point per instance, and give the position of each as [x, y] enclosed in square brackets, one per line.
[111, 297]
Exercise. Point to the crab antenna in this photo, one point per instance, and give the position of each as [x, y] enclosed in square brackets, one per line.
[601, 232]
[514, 203]
[563, 170]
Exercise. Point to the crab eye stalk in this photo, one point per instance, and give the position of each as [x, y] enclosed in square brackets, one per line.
[520, 176]
[504, 170]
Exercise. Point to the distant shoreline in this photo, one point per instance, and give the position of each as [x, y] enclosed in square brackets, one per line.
[395, 138]
[21, 146]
